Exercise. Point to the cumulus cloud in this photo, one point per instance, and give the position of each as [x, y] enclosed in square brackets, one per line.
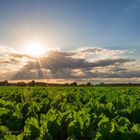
[64, 65]
[101, 51]
[93, 54]
[83, 64]
[19, 55]
[9, 56]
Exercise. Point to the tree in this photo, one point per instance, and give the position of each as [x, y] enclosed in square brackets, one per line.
[88, 84]
[73, 84]
[32, 83]
[5, 83]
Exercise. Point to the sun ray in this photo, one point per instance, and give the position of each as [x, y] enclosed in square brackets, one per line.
[44, 77]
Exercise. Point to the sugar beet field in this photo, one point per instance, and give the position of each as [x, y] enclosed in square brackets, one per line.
[69, 113]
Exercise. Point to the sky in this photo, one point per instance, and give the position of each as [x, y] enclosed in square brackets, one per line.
[83, 40]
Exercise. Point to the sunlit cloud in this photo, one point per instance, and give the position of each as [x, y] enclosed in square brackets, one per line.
[84, 64]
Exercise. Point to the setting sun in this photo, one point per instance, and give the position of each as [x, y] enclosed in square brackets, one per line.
[35, 49]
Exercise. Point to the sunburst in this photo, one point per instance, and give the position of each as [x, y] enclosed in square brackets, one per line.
[35, 49]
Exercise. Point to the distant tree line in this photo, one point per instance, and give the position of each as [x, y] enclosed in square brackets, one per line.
[34, 83]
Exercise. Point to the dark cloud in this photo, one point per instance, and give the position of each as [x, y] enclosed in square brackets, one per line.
[86, 63]
[61, 60]
[61, 65]
[127, 74]
[107, 62]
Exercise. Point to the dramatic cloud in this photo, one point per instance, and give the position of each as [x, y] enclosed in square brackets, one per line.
[64, 65]
[86, 64]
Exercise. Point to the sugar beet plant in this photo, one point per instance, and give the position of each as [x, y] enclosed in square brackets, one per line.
[70, 113]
